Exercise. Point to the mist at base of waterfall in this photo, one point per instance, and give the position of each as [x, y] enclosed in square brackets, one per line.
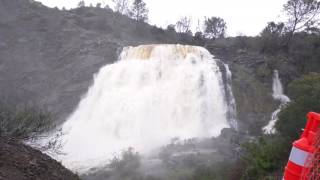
[180, 159]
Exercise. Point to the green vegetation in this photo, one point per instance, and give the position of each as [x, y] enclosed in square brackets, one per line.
[23, 123]
[306, 94]
[266, 157]
[127, 165]
[139, 11]
[215, 27]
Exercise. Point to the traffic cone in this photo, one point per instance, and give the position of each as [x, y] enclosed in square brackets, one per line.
[302, 149]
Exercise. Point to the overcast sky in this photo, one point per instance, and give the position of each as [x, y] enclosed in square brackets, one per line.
[247, 17]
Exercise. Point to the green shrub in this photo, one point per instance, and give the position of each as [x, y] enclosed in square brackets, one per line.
[264, 156]
[127, 165]
[23, 123]
[305, 94]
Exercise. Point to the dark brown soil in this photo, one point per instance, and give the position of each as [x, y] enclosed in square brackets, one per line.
[21, 162]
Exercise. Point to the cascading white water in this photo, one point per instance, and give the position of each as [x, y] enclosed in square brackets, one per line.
[232, 108]
[152, 94]
[277, 94]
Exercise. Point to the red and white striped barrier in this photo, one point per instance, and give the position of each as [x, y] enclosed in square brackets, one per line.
[302, 149]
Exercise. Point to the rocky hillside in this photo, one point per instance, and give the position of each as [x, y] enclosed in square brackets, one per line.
[48, 57]
[252, 78]
[21, 162]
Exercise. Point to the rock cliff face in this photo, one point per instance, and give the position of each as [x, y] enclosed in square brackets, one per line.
[48, 57]
[252, 81]
[251, 91]
[20, 162]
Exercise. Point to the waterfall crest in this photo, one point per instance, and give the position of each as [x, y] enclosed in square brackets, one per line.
[152, 94]
[277, 94]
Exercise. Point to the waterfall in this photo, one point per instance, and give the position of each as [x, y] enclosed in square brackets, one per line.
[232, 108]
[277, 94]
[152, 94]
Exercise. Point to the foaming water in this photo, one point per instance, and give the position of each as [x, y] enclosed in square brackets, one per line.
[277, 94]
[152, 94]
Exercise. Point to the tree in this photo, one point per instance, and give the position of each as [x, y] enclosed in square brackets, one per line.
[139, 11]
[121, 6]
[302, 14]
[199, 27]
[215, 27]
[242, 41]
[81, 4]
[184, 25]
[107, 7]
[198, 38]
[171, 28]
[271, 38]
[273, 28]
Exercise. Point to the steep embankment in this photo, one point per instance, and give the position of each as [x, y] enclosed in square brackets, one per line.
[21, 162]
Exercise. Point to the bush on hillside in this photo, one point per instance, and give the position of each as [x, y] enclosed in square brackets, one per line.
[265, 157]
[23, 123]
[127, 165]
[305, 94]
[304, 52]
